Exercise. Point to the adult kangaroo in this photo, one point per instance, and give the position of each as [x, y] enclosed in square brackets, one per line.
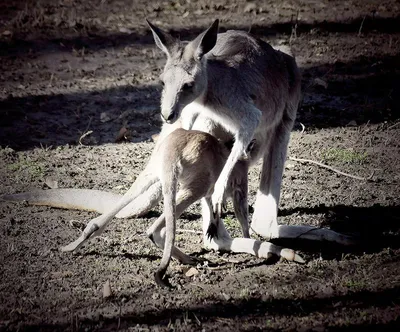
[251, 91]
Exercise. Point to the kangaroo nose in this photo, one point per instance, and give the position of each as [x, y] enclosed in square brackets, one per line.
[169, 118]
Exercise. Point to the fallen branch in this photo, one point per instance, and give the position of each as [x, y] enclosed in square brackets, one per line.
[328, 167]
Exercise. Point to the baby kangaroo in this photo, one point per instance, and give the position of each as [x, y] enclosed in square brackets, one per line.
[193, 160]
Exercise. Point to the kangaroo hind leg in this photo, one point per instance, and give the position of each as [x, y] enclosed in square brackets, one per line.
[158, 232]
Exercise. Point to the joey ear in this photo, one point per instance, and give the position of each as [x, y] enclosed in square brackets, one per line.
[205, 42]
[163, 40]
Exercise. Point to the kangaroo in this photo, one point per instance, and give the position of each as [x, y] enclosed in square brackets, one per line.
[194, 159]
[251, 91]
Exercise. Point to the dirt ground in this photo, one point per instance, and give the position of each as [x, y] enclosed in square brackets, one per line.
[79, 101]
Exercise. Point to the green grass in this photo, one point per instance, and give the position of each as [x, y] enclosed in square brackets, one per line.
[348, 156]
[355, 285]
[34, 169]
[229, 222]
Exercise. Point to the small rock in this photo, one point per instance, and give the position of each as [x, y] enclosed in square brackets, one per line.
[51, 183]
[289, 165]
[251, 7]
[104, 117]
[226, 296]
[320, 82]
[192, 272]
[7, 33]
[107, 290]
[352, 123]
[125, 30]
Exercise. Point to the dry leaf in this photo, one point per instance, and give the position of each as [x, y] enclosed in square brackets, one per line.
[124, 134]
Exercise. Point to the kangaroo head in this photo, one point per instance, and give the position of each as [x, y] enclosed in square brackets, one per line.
[185, 73]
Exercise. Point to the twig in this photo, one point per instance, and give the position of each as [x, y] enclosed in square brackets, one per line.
[84, 135]
[393, 126]
[119, 318]
[197, 320]
[303, 128]
[361, 26]
[86, 132]
[328, 167]
[51, 79]
[181, 230]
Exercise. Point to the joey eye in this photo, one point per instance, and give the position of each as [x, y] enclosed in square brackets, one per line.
[187, 87]
[162, 83]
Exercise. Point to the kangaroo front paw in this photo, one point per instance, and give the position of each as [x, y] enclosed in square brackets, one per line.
[212, 231]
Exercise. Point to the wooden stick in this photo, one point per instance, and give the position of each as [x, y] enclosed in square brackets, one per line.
[328, 167]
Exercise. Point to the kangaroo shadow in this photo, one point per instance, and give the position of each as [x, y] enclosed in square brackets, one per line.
[374, 228]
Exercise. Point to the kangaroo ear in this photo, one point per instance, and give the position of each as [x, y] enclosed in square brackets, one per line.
[205, 42]
[163, 40]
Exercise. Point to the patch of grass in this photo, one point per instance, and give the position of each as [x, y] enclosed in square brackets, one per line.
[229, 222]
[348, 156]
[244, 293]
[355, 285]
[35, 169]
[232, 226]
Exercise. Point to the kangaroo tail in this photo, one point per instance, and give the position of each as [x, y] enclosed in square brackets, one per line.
[73, 199]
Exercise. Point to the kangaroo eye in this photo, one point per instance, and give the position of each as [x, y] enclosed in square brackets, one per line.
[162, 83]
[187, 87]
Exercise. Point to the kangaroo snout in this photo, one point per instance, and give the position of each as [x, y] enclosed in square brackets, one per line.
[170, 116]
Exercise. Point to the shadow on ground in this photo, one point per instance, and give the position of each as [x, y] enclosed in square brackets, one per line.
[101, 39]
[363, 90]
[374, 228]
[251, 313]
